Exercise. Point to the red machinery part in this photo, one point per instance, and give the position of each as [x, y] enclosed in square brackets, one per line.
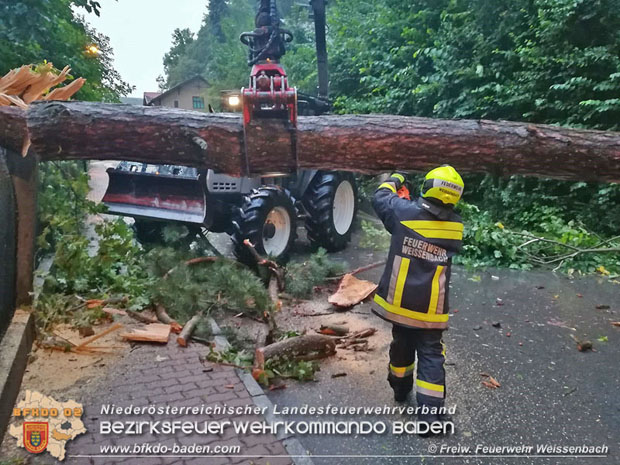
[269, 86]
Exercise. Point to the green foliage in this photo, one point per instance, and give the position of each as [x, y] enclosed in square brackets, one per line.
[302, 277]
[375, 236]
[53, 308]
[203, 287]
[545, 61]
[277, 367]
[300, 370]
[52, 30]
[489, 241]
[536, 60]
[113, 267]
[62, 203]
[232, 355]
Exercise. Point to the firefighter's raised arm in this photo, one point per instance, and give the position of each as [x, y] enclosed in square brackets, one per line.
[386, 200]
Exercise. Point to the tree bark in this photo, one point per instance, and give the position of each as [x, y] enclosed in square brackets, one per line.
[360, 143]
[306, 347]
[24, 172]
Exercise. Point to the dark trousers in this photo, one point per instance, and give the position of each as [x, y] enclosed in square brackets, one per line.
[431, 376]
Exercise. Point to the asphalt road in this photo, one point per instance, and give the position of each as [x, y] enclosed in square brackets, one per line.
[550, 394]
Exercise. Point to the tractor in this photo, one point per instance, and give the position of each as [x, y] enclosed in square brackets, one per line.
[263, 208]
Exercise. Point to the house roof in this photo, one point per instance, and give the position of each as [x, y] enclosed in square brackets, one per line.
[149, 96]
[178, 86]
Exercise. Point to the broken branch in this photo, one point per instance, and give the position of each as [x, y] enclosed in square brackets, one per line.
[163, 316]
[112, 328]
[306, 347]
[188, 329]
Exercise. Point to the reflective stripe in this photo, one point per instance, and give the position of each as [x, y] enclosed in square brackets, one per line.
[442, 291]
[405, 321]
[426, 224]
[402, 372]
[390, 186]
[435, 291]
[398, 176]
[400, 283]
[430, 392]
[394, 277]
[430, 389]
[410, 313]
[436, 229]
[443, 349]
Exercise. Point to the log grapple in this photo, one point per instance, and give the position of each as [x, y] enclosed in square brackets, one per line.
[262, 207]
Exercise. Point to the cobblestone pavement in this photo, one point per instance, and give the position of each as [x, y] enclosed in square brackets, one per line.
[169, 375]
[173, 376]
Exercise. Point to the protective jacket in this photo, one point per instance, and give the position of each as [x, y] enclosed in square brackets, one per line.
[413, 291]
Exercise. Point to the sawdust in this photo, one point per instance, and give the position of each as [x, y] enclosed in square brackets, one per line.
[53, 370]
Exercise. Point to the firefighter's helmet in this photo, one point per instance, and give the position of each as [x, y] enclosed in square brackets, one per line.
[444, 184]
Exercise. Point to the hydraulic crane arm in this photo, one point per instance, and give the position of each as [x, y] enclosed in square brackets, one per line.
[318, 8]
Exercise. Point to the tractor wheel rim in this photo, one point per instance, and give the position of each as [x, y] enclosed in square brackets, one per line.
[344, 207]
[280, 219]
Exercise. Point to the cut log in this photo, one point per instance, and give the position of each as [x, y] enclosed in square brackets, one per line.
[351, 291]
[334, 330]
[361, 143]
[163, 316]
[156, 332]
[306, 347]
[188, 329]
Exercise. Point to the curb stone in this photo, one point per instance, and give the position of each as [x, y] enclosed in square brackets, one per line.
[15, 347]
[298, 454]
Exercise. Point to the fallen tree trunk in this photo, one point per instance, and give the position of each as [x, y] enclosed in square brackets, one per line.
[306, 347]
[361, 143]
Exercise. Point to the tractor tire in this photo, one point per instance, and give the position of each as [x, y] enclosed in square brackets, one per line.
[8, 246]
[267, 218]
[148, 231]
[331, 204]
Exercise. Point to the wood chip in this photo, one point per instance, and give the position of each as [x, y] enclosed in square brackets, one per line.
[156, 332]
[351, 291]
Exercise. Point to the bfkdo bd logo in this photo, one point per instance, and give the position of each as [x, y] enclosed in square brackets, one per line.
[36, 435]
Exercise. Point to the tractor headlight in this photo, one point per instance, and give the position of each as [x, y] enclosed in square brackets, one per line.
[233, 100]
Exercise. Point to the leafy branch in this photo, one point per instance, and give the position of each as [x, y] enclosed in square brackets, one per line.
[549, 259]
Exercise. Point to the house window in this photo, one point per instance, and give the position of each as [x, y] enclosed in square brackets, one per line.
[198, 102]
[176, 104]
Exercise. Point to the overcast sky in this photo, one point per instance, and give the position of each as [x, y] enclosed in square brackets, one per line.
[140, 32]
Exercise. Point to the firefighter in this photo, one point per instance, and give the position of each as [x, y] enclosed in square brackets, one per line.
[413, 291]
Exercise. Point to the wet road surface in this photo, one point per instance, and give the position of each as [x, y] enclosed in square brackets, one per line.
[550, 394]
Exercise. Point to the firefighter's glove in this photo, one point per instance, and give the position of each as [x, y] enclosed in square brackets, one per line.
[398, 179]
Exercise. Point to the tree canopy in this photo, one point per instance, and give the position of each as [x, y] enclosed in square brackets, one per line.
[34, 31]
[545, 61]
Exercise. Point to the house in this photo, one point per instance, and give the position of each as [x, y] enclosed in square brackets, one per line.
[188, 95]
